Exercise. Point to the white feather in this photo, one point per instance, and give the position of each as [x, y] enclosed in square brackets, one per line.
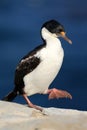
[51, 57]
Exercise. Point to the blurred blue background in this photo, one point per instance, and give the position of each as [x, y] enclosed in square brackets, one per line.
[20, 23]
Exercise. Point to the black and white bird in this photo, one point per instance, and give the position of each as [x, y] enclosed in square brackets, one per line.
[36, 71]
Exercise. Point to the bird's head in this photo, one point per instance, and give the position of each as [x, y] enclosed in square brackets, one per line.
[54, 29]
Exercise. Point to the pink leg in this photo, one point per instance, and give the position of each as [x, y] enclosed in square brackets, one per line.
[30, 104]
[56, 93]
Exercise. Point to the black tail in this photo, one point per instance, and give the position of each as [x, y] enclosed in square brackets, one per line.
[10, 96]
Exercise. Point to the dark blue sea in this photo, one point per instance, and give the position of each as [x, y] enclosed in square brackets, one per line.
[20, 23]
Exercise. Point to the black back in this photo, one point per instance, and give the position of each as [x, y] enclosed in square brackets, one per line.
[27, 64]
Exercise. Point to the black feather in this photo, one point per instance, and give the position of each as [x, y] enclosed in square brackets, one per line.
[27, 64]
[10, 96]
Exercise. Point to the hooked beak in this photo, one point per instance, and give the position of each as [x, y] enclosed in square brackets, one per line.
[63, 35]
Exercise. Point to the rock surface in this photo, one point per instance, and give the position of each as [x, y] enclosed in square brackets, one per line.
[19, 117]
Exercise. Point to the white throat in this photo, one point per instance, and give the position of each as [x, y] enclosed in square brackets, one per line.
[52, 40]
[46, 34]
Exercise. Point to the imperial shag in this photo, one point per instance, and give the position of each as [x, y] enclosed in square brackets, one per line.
[37, 70]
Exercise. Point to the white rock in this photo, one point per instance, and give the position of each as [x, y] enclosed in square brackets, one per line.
[19, 117]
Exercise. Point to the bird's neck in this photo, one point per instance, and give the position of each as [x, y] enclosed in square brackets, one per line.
[51, 40]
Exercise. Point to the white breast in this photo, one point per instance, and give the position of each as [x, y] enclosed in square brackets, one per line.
[51, 60]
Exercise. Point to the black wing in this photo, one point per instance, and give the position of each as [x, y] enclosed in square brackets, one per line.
[26, 65]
